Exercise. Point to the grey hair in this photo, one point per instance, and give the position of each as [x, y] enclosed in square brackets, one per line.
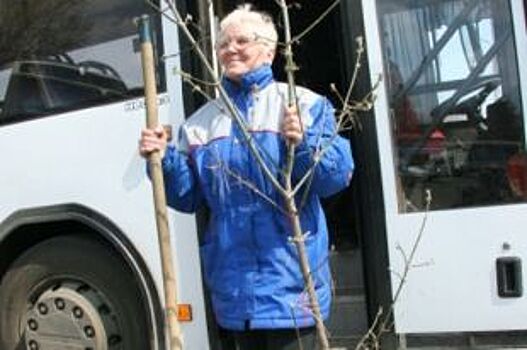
[261, 22]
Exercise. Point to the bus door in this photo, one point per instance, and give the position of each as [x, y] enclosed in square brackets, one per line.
[451, 126]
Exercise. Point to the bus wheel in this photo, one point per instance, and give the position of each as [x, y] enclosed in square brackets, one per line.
[71, 292]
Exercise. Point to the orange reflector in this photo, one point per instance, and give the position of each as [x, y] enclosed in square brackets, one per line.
[184, 312]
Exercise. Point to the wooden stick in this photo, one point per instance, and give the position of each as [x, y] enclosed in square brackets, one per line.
[154, 162]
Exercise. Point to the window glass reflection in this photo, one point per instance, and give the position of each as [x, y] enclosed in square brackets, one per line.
[455, 105]
[60, 55]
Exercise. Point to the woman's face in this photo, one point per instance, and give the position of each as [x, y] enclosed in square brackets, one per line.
[239, 52]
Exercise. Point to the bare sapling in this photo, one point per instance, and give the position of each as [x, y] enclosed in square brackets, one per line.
[383, 321]
[289, 197]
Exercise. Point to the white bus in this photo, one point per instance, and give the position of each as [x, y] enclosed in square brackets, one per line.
[79, 261]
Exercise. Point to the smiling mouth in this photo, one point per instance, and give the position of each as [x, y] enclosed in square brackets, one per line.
[230, 63]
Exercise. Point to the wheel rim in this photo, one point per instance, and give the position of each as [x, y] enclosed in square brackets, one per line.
[71, 315]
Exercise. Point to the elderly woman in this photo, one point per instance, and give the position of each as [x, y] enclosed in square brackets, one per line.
[250, 265]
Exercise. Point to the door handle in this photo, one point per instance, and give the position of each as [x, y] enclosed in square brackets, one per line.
[509, 277]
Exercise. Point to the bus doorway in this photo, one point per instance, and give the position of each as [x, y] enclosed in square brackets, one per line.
[321, 59]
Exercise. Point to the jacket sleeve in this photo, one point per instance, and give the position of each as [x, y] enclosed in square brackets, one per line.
[181, 186]
[333, 172]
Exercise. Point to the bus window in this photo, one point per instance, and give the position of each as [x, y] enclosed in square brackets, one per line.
[456, 111]
[63, 55]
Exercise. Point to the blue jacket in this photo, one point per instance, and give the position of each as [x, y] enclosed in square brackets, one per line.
[249, 262]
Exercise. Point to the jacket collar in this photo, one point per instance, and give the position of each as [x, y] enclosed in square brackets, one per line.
[256, 79]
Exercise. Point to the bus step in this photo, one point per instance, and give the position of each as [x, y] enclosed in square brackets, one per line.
[348, 316]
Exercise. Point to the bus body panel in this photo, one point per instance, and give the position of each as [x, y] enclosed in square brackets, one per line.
[90, 157]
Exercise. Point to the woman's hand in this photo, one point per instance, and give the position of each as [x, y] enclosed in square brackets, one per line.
[292, 126]
[153, 140]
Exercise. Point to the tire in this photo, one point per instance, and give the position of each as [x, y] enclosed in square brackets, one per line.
[72, 292]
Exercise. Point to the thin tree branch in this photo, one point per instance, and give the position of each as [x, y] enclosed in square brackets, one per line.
[371, 331]
[195, 83]
[251, 186]
[298, 37]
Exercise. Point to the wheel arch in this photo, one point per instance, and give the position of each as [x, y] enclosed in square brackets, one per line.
[27, 227]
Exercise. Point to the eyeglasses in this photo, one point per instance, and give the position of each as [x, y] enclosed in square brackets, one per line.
[240, 42]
